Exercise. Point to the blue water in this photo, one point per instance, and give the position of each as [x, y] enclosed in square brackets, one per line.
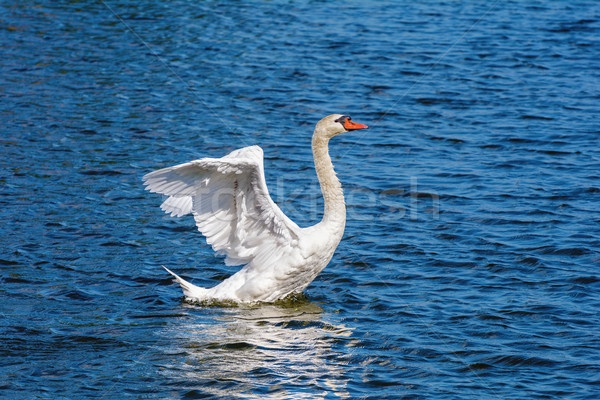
[470, 264]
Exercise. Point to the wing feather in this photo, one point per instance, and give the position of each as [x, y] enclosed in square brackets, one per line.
[231, 205]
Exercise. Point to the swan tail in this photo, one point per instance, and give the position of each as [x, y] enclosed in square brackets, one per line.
[190, 291]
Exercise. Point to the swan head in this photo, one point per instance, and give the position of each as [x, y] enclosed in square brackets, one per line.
[334, 124]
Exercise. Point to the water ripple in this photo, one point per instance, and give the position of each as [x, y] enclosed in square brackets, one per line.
[469, 263]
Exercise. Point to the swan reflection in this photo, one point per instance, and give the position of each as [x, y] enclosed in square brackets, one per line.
[261, 352]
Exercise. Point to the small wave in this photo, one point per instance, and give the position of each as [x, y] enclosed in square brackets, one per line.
[100, 172]
[518, 361]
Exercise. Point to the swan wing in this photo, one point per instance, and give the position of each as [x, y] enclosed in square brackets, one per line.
[230, 202]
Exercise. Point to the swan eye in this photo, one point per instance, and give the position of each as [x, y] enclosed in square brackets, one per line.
[342, 119]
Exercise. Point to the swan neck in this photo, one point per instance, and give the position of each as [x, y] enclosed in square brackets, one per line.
[335, 206]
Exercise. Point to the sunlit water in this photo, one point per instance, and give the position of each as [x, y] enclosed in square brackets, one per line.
[469, 266]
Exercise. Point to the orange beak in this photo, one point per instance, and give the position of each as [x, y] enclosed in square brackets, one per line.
[353, 126]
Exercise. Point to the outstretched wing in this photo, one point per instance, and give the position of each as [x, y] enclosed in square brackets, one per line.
[230, 202]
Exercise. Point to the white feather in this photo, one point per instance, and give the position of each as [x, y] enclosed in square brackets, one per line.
[230, 202]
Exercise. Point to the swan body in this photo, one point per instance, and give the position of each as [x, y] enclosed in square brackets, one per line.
[230, 202]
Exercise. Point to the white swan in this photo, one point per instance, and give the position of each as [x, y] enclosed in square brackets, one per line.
[229, 200]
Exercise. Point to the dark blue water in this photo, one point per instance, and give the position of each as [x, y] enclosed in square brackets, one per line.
[470, 266]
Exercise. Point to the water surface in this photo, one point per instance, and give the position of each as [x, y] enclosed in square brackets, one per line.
[469, 266]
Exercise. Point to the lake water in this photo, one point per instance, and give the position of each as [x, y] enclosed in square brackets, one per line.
[470, 264]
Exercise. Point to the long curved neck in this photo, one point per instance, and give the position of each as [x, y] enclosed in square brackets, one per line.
[335, 206]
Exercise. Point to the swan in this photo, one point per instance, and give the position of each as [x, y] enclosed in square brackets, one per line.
[230, 203]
